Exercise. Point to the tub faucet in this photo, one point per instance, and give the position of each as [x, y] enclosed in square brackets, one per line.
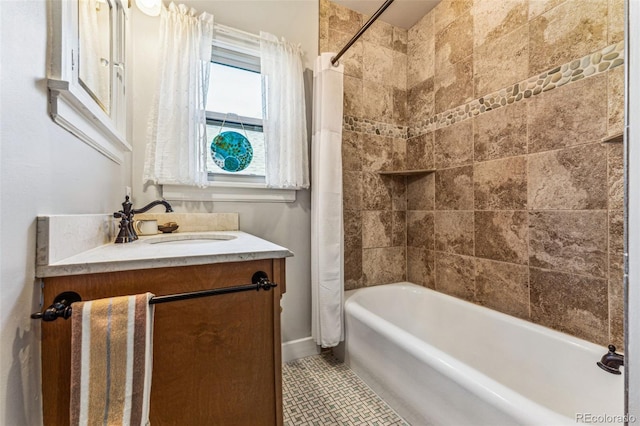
[611, 361]
[127, 233]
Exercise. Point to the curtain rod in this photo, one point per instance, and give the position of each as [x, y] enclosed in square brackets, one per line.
[234, 32]
[364, 28]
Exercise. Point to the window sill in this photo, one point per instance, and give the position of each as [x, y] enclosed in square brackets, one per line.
[227, 191]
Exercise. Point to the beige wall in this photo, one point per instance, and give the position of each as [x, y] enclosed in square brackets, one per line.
[297, 21]
[524, 211]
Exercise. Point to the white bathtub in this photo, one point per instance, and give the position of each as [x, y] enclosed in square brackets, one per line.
[438, 360]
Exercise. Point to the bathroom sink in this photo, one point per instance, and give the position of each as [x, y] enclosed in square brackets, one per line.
[189, 239]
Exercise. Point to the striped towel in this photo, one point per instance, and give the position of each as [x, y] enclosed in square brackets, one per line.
[111, 348]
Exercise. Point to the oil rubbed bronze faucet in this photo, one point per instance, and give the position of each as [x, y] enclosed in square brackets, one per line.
[611, 361]
[127, 233]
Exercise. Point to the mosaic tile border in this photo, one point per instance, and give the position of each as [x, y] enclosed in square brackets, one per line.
[363, 125]
[593, 64]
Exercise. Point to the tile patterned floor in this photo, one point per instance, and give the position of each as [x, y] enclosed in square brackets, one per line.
[320, 390]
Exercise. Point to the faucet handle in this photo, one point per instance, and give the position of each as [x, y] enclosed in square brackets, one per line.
[612, 349]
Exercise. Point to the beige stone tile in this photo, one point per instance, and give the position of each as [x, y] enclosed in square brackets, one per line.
[352, 58]
[616, 100]
[324, 10]
[383, 265]
[448, 11]
[377, 192]
[376, 229]
[352, 192]
[569, 179]
[421, 192]
[196, 222]
[571, 30]
[501, 62]
[503, 287]
[616, 245]
[455, 275]
[538, 7]
[453, 85]
[353, 262]
[501, 132]
[569, 241]
[400, 113]
[398, 193]
[570, 303]
[454, 232]
[420, 152]
[399, 161]
[379, 33]
[420, 100]
[453, 145]
[399, 229]
[570, 115]
[493, 19]
[501, 184]
[420, 51]
[351, 151]
[421, 266]
[420, 229]
[378, 64]
[400, 39]
[377, 102]
[502, 235]
[398, 75]
[323, 36]
[352, 98]
[377, 152]
[343, 19]
[352, 223]
[616, 176]
[616, 21]
[455, 42]
[454, 188]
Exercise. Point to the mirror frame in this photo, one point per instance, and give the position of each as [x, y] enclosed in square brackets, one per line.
[70, 105]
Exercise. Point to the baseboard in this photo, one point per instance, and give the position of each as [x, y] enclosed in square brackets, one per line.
[301, 348]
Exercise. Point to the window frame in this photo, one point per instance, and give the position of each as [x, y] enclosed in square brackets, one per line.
[232, 48]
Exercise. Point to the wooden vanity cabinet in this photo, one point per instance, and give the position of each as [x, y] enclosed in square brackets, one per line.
[216, 360]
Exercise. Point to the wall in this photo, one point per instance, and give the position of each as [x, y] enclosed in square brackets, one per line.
[374, 133]
[43, 170]
[524, 211]
[287, 224]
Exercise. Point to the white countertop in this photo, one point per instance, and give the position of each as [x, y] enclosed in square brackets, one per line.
[141, 254]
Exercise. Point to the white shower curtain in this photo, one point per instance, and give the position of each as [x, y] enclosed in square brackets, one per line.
[327, 247]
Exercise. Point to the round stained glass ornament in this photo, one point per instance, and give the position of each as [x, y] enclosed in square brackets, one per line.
[231, 151]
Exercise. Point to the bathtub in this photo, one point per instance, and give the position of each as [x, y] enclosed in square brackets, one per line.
[438, 360]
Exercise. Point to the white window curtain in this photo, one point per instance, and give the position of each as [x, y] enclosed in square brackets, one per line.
[285, 120]
[176, 146]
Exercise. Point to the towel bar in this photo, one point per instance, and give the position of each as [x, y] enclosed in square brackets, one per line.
[61, 307]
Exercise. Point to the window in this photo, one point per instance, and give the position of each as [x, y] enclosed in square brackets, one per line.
[234, 104]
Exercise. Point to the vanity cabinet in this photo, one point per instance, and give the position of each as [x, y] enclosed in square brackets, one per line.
[216, 360]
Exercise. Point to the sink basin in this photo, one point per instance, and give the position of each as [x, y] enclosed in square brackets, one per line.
[189, 239]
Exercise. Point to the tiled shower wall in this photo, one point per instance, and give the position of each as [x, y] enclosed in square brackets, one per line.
[509, 102]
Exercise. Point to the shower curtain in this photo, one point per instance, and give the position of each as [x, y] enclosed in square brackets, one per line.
[327, 247]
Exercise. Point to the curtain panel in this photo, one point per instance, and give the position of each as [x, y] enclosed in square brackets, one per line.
[176, 151]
